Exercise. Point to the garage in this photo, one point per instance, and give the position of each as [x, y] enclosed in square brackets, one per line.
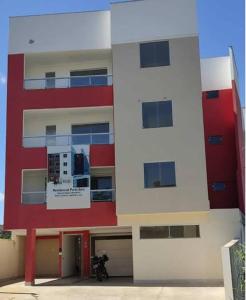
[119, 251]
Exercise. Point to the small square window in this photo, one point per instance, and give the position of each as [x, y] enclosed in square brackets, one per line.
[160, 174]
[212, 94]
[218, 186]
[157, 114]
[65, 164]
[65, 155]
[154, 54]
[215, 139]
[65, 172]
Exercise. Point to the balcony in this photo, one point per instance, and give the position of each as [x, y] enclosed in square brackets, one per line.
[68, 82]
[67, 140]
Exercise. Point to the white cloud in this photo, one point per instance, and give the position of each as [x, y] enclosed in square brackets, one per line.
[3, 79]
[1, 197]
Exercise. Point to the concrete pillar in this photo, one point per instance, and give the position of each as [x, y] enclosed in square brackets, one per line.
[86, 254]
[30, 256]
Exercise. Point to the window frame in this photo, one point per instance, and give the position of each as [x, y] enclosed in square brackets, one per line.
[170, 237]
[160, 175]
[158, 114]
[154, 62]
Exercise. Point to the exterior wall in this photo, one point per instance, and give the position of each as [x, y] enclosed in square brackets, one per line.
[12, 258]
[47, 254]
[62, 63]
[182, 143]
[35, 122]
[221, 159]
[16, 215]
[216, 73]
[197, 259]
[178, 14]
[60, 32]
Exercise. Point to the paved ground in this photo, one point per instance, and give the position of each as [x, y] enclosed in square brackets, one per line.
[114, 289]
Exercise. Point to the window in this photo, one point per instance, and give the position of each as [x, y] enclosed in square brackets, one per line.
[212, 94]
[65, 164]
[51, 135]
[65, 172]
[170, 232]
[215, 139]
[157, 114]
[64, 155]
[218, 186]
[154, 54]
[90, 134]
[160, 174]
[101, 183]
[97, 77]
[50, 80]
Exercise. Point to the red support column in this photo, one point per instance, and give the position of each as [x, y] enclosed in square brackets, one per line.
[30, 256]
[86, 254]
[60, 255]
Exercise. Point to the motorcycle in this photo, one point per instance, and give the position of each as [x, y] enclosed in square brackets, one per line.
[98, 265]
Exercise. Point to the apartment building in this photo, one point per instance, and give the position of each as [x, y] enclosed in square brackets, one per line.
[120, 139]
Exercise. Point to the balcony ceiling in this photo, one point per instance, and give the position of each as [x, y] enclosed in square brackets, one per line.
[66, 57]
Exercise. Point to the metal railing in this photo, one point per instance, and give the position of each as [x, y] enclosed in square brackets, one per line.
[66, 140]
[67, 82]
[105, 195]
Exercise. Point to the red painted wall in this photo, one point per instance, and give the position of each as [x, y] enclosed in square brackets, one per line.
[219, 119]
[16, 215]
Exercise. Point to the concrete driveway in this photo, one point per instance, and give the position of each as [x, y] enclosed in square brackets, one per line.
[114, 289]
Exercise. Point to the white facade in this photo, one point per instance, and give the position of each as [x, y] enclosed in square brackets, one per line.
[139, 21]
[60, 32]
[216, 73]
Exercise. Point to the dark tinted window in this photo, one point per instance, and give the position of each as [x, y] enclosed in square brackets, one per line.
[90, 134]
[154, 54]
[161, 174]
[155, 232]
[218, 186]
[50, 80]
[212, 94]
[215, 139]
[101, 183]
[96, 77]
[157, 114]
[169, 232]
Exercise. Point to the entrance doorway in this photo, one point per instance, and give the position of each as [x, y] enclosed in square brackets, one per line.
[72, 262]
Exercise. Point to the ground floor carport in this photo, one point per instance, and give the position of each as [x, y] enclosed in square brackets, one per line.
[69, 252]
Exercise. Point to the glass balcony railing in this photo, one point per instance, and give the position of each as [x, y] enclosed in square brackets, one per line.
[106, 195]
[66, 140]
[103, 195]
[67, 82]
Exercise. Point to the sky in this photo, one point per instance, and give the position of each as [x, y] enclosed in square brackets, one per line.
[221, 24]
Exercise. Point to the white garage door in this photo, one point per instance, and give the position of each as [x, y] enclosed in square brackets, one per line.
[119, 252]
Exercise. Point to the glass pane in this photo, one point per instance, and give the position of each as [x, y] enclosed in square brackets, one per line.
[89, 72]
[100, 138]
[79, 81]
[149, 112]
[154, 54]
[155, 232]
[151, 175]
[215, 139]
[99, 80]
[81, 139]
[90, 128]
[165, 113]
[50, 80]
[176, 231]
[102, 196]
[167, 171]
[212, 94]
[81, 129]
[147, 55]
[162, 57]
[191, 231]
[218, 186]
